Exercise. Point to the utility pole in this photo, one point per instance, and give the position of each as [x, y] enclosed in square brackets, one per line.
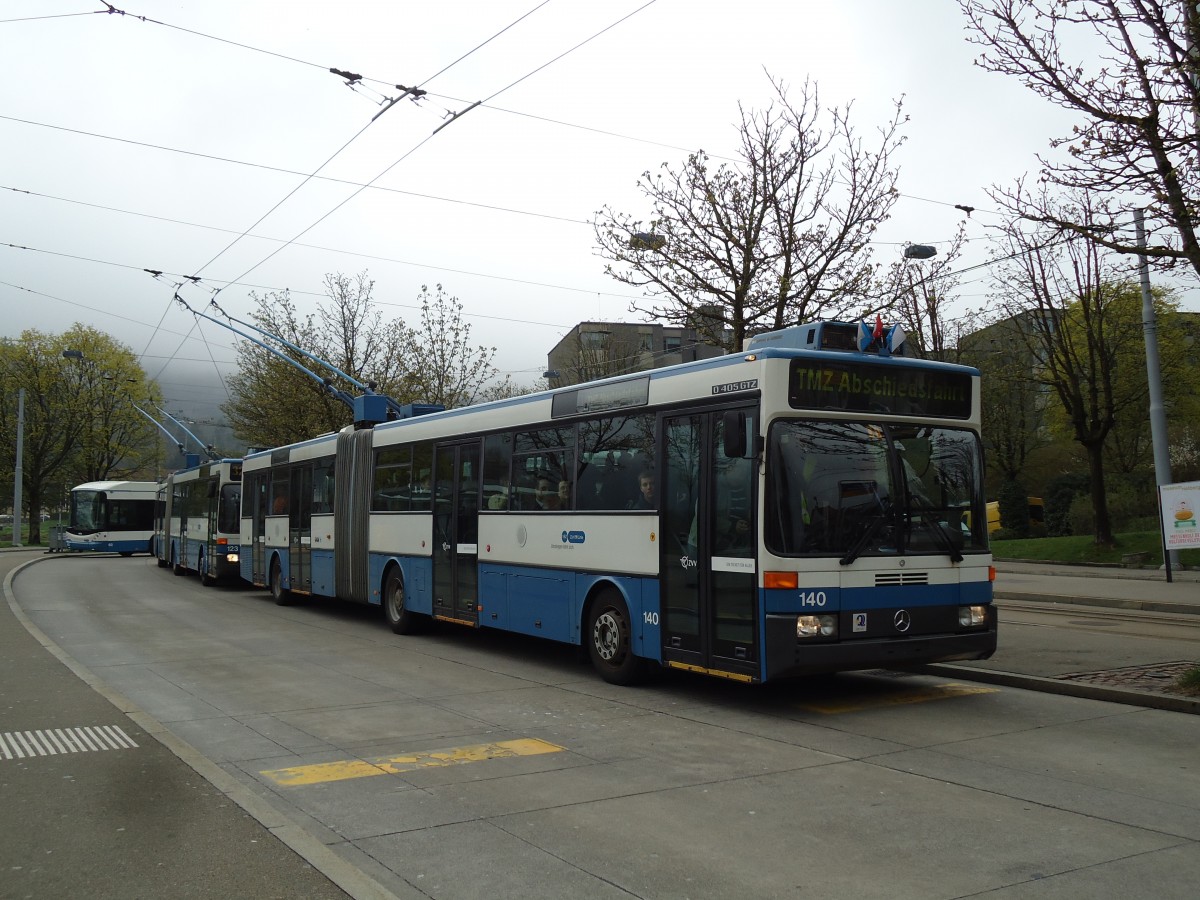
[1158, 415]
[18, 475]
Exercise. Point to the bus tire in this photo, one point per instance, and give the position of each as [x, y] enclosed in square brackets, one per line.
[176, 567]
[400, 618]
[610, 639]
[281, 595]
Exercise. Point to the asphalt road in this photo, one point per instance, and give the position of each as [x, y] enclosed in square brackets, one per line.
[466, 764]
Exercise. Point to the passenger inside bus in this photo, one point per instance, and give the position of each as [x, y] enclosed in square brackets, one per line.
[645, 498]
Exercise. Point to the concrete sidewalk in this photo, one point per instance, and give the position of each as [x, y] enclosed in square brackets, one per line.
[1100, 586]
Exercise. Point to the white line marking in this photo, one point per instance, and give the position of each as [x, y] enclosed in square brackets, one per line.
[61, 741]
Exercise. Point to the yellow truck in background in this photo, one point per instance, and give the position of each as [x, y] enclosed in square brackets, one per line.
[1037, 513]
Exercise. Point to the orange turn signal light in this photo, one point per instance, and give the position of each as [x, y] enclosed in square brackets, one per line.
[991, 573]
[786, 580]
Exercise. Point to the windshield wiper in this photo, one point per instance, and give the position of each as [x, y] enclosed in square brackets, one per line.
[861, 544]
[943, 537]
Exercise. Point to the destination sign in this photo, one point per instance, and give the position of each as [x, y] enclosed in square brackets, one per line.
[870, 388]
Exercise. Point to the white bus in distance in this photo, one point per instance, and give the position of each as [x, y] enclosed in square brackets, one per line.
[112, 517]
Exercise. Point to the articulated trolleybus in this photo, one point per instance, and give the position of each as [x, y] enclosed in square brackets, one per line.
[802, 506]
[112, 516]
[198, 520]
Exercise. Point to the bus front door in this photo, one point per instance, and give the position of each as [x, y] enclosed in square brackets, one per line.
[455, 497]
[709, 580]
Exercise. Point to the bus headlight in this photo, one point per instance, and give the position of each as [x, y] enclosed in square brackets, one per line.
[971, 616]
[816, 626]
[231, 557]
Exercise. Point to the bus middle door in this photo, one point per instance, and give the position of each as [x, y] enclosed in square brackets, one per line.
[709, 582]
[300, 529]
[455, 490]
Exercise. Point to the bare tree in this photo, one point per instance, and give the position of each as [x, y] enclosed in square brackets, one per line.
[443, 366]
[1062, 300]
[594, 353]
[1136, 86]
[273, 402]
[778, 238]
[924, 290]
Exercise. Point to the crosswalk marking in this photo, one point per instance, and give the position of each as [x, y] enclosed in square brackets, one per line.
[391, 765]
[58, 741]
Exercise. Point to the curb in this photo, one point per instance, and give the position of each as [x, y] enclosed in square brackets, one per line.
[1169, 702]
[1157, 606]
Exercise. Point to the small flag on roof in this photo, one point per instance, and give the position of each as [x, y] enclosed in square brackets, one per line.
[864, 337]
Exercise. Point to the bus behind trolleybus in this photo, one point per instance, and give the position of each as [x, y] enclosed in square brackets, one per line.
[197, 527]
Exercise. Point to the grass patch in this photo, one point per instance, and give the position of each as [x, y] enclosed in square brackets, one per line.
[1189, 682]
[1081, 549]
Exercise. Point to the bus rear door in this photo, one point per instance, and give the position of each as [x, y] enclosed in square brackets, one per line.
[707, 564]
[455, 497]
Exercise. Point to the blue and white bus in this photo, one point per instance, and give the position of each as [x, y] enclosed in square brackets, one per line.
[112, 516]
[799, 507]
[198, 523]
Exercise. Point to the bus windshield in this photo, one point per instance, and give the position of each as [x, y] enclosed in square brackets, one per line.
[87, 511]
[851, 489]
[229, 509]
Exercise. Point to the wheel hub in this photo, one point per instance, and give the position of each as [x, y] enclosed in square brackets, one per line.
[606, 636]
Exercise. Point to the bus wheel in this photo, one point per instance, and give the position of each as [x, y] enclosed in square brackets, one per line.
[206, 577]
[281, 595]
[401, 619]
[609, 638]
[176, 567]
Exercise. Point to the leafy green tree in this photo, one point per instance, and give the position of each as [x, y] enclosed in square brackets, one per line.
[117, 441]
[1130, 446]
[1014, 508]
[777, 238]
[79, 422]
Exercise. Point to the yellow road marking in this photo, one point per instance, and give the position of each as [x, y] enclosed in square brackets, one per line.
[941, 692]
[391, 765]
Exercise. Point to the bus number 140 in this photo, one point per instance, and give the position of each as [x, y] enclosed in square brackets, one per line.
[812, 598]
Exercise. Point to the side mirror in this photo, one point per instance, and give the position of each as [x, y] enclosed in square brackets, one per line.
[737, 441]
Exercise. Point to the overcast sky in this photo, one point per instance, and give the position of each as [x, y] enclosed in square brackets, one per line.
[154, 146]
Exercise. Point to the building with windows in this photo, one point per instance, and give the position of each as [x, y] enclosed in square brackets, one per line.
[594, 350]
